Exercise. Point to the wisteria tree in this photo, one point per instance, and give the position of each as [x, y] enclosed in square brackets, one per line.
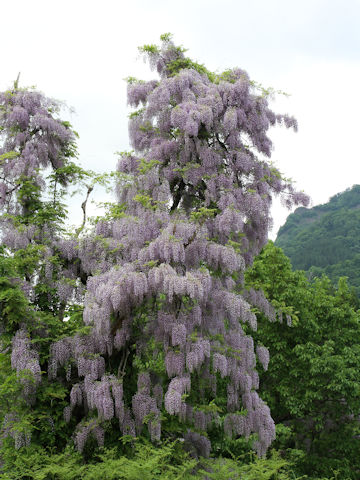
[165, 348]
[37, 150]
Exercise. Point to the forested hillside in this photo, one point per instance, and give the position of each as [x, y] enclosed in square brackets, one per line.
[326, 238]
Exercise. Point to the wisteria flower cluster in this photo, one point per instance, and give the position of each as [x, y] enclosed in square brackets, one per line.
[32, 139]
[25, 360]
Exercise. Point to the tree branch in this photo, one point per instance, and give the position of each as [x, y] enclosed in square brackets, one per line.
[122, 366]
[222, 144]
[178, 194]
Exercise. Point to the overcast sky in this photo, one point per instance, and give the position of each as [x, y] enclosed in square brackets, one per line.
[80, 51]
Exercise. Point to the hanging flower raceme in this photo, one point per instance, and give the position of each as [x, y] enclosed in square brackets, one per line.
[25, 360]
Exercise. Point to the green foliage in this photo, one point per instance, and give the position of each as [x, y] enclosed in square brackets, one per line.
[8, 155]
[148, 202]
[166, 37]
[202, 214]
[312, 384]
[272, 468]
[14, 306]
[175, 66]
[146, 166]
[143, 461]
[149, 48]
[113, 211]
[152, 358]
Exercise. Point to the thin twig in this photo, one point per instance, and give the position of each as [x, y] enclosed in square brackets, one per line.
[122, 366]
[90, 188]
[16, 83]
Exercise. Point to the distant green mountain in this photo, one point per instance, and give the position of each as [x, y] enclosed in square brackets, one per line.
[326, 238]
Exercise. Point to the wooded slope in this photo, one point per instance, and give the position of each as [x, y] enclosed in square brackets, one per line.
[326, 238]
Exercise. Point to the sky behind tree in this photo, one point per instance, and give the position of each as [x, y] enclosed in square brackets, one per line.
[81, 51]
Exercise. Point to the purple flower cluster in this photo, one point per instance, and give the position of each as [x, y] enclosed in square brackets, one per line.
[11, 428]
[198, 443]
[173, 397]
[87, 429]
[263, 356]
[29, 129]
[25, 360]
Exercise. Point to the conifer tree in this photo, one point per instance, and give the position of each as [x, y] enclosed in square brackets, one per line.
[169, 322]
